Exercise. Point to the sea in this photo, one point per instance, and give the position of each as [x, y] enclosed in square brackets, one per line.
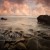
[22, 23]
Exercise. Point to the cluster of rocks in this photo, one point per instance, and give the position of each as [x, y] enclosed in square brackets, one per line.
[44, 19]
[39, 42]
[17, 40]
[13, 40]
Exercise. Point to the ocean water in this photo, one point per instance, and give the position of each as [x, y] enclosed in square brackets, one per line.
[23, 23]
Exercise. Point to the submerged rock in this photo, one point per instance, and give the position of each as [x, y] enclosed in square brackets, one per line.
[45, 19]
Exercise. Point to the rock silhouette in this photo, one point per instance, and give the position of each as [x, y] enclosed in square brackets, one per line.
[45, 19]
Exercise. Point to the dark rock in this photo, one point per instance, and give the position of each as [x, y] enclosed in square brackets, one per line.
[6, 45]
[41, 42]
[27, 35]
[39, 31]
[43, 34]
[5, 32]
[20, 39]
[44, 19]
[2, 41]
[31, 30]
[44, 40]
[17, 46]
[19, 33]
[32, 44]
[20, 46]
[3, 18]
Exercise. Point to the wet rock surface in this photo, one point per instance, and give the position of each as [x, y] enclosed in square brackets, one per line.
[18, 40]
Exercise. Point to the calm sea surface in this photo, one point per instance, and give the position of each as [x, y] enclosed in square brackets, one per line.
[23, 23]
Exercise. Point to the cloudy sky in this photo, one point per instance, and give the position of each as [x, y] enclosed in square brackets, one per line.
[24, 7]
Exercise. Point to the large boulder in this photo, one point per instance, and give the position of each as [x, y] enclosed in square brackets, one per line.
[44, 19]
[41, 42]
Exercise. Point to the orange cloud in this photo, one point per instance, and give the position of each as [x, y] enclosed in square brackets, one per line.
[33, 8]
[14, 9]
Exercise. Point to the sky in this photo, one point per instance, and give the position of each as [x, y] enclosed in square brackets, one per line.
[25, 7]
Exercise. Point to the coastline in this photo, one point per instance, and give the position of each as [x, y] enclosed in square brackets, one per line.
[21, 34]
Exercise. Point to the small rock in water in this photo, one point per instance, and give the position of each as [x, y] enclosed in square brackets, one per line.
[19, 33]
[5, 31]
[31, 30]
[38, 31]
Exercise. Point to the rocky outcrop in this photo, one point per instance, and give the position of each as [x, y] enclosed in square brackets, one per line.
[19, 40]
[45, 19]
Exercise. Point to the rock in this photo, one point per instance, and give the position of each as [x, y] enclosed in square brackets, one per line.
[6, 45]
[32, 44]
[27, 35]
[38, 31]
[43, 34]
[17, 46]
[2, 41]
[19, 33]
[44, 40]
[44, 19]
[12, 35]
[41, 42]
[3, 18]
[31, 30]
[20, 39]
[20, 46]
[5, 31]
